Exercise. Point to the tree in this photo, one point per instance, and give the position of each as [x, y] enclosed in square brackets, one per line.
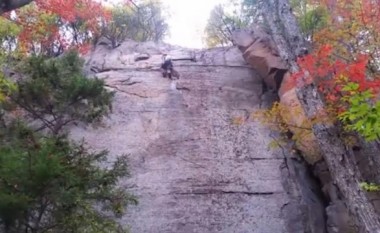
[251, 11]
[50, 27]
[116, 30]
[47, 27]
[312, 21]
[218, 31]
[141, 22]
[151, 22]
[338, 156]
[354, 29]
[56, 92]
[48, 184]
[347, 92]
[352, 59]
[311, 16]
[224, 19]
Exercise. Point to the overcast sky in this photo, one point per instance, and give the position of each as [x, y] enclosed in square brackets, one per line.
[188, 20]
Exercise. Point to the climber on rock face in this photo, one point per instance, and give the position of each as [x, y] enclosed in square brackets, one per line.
[167, 67]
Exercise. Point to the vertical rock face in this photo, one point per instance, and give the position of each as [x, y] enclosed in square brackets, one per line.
[252, 43]
[198, 163]
[257, 48]
[260, 52]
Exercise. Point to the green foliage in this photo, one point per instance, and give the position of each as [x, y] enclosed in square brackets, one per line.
[143, 23]
[116, 30]
[48, 184]
[219, 28]
[362, 115]
[276, 144]
[56, 92]
[8, 28]
[6, 87]
[313, 20]
[370, 187]
[224, 19]
[150, 23]
[311, 17]
[299, 7]
[8, 33]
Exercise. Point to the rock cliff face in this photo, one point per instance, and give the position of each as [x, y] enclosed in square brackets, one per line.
[198, 162]
[252, 43]
[260, 52]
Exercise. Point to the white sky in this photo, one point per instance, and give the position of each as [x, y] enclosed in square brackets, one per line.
[187, 21]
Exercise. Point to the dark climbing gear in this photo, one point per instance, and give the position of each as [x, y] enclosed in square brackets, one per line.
[167, 67]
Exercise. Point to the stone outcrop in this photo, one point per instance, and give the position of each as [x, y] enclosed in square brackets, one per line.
[251, 43]
[260, 52]
[198, 162]
[257, 48]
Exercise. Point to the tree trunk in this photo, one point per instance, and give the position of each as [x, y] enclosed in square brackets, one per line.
[339, 158]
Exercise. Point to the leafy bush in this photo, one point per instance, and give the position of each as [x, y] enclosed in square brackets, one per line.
[362, 116]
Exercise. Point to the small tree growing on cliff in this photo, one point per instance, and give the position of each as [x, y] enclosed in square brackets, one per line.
[56, 92]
